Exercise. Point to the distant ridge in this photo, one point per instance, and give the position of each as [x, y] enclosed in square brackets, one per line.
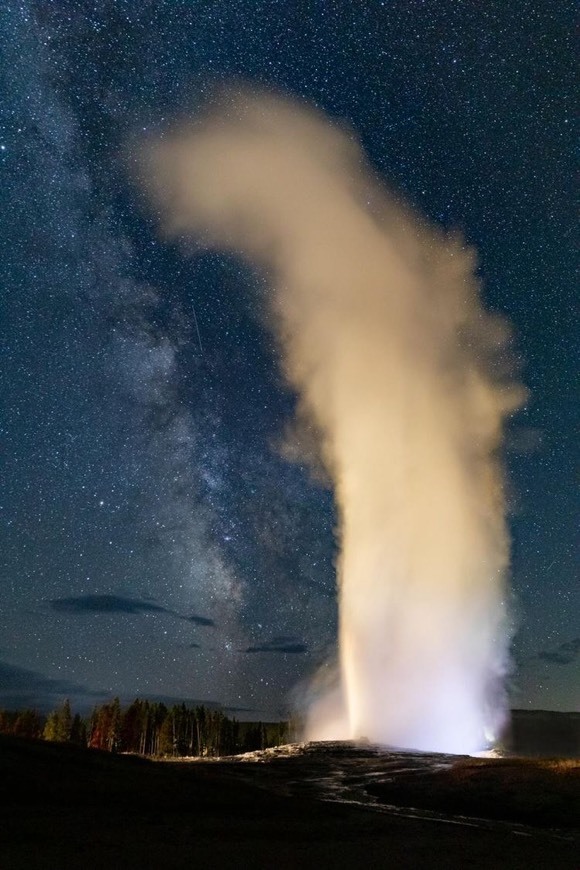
[542, 733]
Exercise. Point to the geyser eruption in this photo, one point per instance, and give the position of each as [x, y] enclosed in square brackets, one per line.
[397, 364]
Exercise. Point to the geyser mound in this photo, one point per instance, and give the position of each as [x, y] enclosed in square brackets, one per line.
[385, 340]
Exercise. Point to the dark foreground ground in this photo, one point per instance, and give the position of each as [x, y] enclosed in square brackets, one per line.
[64, 807]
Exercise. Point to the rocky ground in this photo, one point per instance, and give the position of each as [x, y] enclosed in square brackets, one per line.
[329, 805]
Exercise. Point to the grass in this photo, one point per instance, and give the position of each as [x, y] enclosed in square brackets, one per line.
[541, 792]
[74, 808]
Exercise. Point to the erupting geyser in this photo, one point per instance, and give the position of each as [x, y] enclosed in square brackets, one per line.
[397, 364]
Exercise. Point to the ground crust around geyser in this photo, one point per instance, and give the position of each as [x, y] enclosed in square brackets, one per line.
[318, 805]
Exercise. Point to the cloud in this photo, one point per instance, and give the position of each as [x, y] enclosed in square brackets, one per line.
[199, 620]
[564, 654]
[104, 604]
[21, 687]
[235, 710]
[282, 644]
[174, 701]
[80, 604]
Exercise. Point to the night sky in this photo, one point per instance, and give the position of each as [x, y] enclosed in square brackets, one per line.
[153, 539]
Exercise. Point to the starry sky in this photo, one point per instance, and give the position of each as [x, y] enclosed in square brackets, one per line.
[153, 539]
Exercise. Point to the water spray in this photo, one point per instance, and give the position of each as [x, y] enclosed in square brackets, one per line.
[386, 342]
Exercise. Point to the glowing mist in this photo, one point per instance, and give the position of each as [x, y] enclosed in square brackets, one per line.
[386, 342]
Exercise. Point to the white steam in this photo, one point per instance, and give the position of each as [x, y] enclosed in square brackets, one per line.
[387, 344]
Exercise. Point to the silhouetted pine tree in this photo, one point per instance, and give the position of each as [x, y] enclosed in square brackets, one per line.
[78, 732]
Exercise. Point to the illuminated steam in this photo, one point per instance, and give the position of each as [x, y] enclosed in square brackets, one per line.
[386, 342]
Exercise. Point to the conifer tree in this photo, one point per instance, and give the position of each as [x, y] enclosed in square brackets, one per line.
[50, 731]
[114, 726]
[64, 722]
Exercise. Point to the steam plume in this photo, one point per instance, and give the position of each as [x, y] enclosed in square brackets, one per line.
[387, 344]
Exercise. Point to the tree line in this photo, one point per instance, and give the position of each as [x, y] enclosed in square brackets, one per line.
[147, 728]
